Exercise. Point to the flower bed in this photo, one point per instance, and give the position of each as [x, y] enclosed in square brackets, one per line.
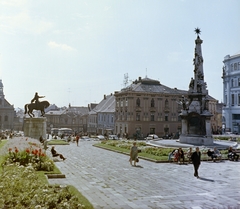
[32, 155]
[21, 188]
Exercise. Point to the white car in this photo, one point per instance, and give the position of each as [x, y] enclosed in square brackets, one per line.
[152, 136]
[112, 137]
[85, 138]
[100, 137]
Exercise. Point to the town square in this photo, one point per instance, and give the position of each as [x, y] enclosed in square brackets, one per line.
[120, 104]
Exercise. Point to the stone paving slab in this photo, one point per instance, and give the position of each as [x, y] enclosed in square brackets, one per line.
[108, 181]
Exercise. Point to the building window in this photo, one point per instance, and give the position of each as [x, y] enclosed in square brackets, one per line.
[232, 83]
[152, 130]
[166, 103]
[126, 102]
[238, 81]
[235, 66]
[166, 117]
[138, 102]
[232, 99]
[6, 118]
[138, 116]
[152, 103]
[152, 117]
[238, 99]
[121, 103]
[179, 118]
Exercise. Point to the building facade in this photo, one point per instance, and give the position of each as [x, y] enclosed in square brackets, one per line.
[71, 117]
[231, 94]
[7, 112]
[148, 107]
[101, 119]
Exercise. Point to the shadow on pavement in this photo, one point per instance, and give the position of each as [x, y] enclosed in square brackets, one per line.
[138, 166]
[204, 179]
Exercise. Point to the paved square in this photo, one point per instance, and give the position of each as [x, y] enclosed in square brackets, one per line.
[108, 181]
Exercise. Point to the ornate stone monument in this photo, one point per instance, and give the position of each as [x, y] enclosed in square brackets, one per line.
[196, 126]
[35, 127]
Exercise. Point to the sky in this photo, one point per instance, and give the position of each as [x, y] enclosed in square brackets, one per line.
[75, 52]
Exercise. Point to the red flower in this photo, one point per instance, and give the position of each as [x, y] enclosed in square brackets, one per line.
[10, 149]
[27, 150]
[43, 154]
[16, 150]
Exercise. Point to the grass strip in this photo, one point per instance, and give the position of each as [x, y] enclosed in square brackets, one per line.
[126, 151]
[57, 142]
[84, 201]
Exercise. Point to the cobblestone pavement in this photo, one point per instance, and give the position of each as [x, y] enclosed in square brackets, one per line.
[108, 181]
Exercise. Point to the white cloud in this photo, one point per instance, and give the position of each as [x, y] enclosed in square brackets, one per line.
[13, 3]
[64, 47]
[20, 20]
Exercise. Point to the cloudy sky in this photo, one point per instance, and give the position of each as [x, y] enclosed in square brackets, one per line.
[76, 51]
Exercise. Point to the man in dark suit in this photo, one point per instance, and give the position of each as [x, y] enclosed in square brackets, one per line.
[196, 160]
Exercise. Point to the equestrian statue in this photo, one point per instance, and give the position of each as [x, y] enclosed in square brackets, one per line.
[36, 105]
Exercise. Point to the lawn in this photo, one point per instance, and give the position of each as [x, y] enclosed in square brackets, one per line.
[57, 142]
[156, 154]
[147, 152]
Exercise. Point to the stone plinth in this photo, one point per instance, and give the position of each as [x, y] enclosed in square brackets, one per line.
[196, 140]
[35, 127]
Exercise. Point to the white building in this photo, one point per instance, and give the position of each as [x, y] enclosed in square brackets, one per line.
[231, 93]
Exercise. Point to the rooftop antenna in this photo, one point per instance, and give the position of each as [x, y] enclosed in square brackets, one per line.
[125, 81]
[146, 72]
[69, 91]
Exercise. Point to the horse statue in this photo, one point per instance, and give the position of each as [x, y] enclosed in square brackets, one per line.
[33, 106]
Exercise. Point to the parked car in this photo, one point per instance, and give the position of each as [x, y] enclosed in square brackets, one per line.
[152, 136]
[85, 138]
[113, 137]
[100, 137]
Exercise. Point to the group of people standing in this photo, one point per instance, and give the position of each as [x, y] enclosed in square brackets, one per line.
[194, 156]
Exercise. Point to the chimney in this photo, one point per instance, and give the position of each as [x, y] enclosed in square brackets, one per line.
[104, 97]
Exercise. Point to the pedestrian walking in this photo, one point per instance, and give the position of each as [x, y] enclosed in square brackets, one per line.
[134, 154]
[196, 160]
[77, 139]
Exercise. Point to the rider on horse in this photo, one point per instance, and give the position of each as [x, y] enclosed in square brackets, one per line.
[36, 97]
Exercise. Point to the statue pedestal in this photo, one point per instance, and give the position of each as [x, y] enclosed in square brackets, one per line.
[35, 127]
[196, 140]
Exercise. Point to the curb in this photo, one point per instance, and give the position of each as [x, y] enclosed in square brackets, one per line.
[55, 176]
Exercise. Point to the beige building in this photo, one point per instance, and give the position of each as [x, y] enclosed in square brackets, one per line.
[148, 107]
[72, 117]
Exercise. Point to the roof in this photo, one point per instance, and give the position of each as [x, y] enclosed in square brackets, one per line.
[106, 105]
[56, 112]
[78, 110]
[150, 85]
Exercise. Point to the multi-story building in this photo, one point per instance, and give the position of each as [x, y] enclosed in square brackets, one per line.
[231, 93]
[148, 107]
[101, 119]
[7, 112]
[71, 117]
